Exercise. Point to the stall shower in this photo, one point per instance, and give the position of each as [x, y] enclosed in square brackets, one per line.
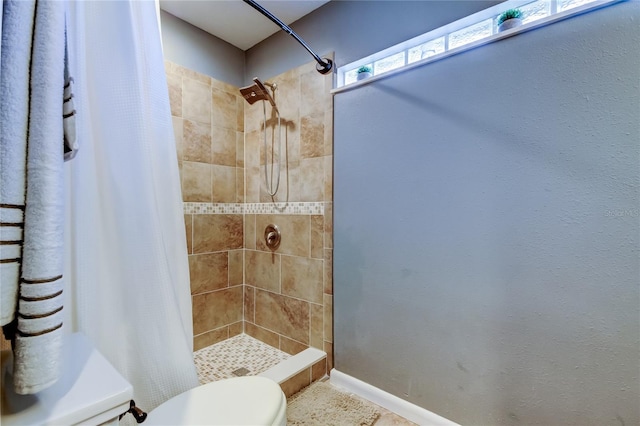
[238, 285]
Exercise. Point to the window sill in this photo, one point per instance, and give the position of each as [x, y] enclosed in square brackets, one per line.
[491, 39]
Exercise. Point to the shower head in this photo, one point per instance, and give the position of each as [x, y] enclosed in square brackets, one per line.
[258, 92]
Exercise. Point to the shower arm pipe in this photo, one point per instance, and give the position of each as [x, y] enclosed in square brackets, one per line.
[324, 66]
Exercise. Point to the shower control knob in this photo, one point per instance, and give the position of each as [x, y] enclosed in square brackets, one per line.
[272, 236]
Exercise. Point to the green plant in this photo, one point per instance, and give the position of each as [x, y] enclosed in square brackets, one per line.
[364, 68]
[509, 14]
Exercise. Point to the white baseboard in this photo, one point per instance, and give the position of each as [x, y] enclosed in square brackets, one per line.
[391, 402]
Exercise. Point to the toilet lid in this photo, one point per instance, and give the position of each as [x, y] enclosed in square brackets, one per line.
[249, 400]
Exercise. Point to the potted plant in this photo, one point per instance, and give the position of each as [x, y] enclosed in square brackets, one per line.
[509, 19]
[364, 72]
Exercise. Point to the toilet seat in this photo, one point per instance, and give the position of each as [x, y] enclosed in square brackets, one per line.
[249, 400]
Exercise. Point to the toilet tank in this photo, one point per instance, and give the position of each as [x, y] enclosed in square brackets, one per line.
[90, 391]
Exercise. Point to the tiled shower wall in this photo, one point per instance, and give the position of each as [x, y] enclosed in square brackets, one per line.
[283, 298]
[208, 119]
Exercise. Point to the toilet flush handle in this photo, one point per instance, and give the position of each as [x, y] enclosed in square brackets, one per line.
[137, 413]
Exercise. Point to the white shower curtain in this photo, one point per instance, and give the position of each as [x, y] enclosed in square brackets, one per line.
[126, 258]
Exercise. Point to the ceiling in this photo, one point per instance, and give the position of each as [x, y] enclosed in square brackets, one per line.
[236, 22]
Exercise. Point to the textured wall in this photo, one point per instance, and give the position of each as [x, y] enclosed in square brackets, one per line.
[200, 51]
[487, 228]
[354, 29]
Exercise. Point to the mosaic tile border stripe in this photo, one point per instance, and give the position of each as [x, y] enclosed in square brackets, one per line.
[296, 208]
[213, 208]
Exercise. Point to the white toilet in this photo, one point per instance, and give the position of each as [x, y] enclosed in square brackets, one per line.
[92, 392]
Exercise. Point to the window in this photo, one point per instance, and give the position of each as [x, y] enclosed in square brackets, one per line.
[466, 33]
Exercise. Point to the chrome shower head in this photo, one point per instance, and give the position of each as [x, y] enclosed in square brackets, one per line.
[258, 92]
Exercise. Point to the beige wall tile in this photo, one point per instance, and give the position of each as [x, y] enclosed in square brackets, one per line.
[217, 232]
[174, 82]
[249, 303]
[188, 228]
[288, 96]
[296, 383]
[328, 132]
[292, 137]
[216, 309]
[328, 96]
[171, 67]
[224, 109]
[292, 74]
[236, 328]
[319, 370]
[240, 104]
[196, 101]
[253, 184]
[283, 315]
[236, 266]
[294, 229]
[208, 272]
[195, 75]
[225, 87]
[316, 331]
[210, 338]
[302, 278]
[224, 142]
[239, 149]
[250, 232]
[196, 142]
[328, 225]
[224, 184]
[317, 236]
[328, 318]
[291, 346]
[265, 336]
[312, 136]
[253, 117]
[328, 178]
[196, 182]
[239, 185]
[310, 179]
[263, 270]
[313, 100]
[328, 271]
[328, 348]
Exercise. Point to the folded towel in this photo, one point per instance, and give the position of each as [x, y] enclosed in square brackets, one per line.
[70, 141]
[34, 30]
[17, 32]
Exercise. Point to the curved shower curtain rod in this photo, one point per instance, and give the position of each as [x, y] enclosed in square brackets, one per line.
[324, 66]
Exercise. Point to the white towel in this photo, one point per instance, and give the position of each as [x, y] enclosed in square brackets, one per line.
[70, 142]
[17, 31]
[33, 50]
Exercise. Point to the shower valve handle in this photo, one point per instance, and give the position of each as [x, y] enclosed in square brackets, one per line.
[272, 236]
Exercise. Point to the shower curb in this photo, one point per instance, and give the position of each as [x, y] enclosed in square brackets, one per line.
[291, 366]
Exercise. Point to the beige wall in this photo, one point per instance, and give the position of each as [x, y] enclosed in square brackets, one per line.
[283, 298]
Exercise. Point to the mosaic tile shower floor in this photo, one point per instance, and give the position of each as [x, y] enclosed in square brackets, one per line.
[219, 361]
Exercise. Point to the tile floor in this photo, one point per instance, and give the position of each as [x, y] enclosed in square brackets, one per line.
[220, 361]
